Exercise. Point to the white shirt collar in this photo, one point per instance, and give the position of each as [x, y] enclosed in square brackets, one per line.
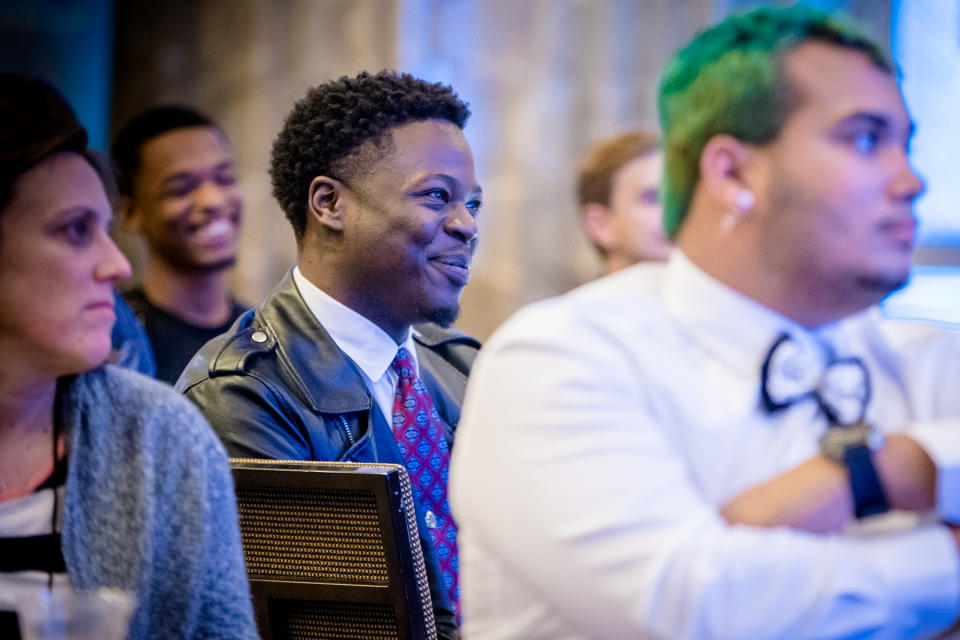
[734, 327]
[364, 342]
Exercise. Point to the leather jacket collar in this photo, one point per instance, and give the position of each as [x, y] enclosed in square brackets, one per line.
[325, 380]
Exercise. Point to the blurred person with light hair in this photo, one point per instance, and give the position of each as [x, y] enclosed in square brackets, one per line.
[618, 184]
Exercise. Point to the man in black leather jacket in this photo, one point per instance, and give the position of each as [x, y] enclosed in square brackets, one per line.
[377, 180]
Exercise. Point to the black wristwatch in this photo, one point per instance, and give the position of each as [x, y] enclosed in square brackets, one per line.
[852, 445]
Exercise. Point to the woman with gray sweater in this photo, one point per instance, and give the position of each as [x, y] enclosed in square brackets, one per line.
[107, 478]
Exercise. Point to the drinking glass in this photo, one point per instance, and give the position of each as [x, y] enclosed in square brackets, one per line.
[68, 614]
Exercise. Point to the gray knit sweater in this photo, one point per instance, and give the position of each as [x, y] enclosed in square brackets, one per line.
[150, 508]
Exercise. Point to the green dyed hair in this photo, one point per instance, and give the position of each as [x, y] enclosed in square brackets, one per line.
[730, 80]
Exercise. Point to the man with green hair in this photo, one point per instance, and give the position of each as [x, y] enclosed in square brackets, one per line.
[733, 444]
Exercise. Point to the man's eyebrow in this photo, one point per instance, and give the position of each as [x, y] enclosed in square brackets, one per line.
[449, 180]
[443, 177]
[866, 117]
[878, 120]
[180, 175]
[188, 174]
[884, 124]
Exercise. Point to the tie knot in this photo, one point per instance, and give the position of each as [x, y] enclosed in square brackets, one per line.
[796, 369]
[403, 364]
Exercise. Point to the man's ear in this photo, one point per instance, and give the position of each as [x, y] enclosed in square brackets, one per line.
[596, 222]
[326, 201]
[722, 171]
[129, 216]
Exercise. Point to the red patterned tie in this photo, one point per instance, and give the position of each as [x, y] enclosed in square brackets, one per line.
[418, 430]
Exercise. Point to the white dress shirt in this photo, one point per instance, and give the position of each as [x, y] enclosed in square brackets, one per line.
[365, 343]
[602, 431]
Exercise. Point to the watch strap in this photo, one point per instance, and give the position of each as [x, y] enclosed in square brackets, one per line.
[869, 498]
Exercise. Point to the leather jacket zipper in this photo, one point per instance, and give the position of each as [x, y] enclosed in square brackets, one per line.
[347, 430]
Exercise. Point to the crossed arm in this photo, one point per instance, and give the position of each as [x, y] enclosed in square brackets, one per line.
[815, 495]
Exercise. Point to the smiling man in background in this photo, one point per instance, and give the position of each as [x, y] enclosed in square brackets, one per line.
[348, 359]
[178, 190]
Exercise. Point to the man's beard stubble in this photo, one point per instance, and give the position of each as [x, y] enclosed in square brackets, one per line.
[445, 316]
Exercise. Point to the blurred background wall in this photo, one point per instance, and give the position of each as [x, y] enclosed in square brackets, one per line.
[543, 77]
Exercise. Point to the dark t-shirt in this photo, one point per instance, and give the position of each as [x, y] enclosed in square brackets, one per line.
[174, 340]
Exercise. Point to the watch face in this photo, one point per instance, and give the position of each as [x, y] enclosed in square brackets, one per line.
[836, 440]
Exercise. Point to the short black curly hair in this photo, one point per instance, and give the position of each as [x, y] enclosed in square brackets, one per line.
[144, 127]
[327, 126]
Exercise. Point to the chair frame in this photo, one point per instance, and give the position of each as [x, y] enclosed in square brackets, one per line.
[406, 590]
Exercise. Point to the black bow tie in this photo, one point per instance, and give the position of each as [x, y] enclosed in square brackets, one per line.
[793, 372]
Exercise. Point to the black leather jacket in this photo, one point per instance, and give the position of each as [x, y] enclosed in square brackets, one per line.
[276, 386]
